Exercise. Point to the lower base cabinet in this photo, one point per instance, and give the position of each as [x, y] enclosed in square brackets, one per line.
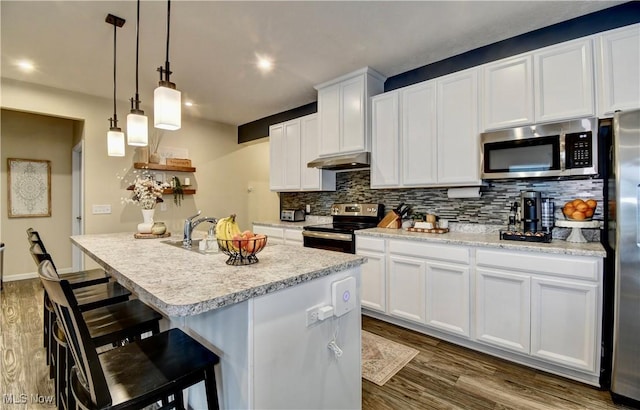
[540, 309]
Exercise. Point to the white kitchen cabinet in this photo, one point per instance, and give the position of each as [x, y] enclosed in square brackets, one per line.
[293, 237]
[618, 77]
[564, 81]
[385, 140]
[507, 93]
[419, 135]
[458, 138]
[503, 309]
[373, 286]
[275, 236]
[291, 145]
[344, 111]
[564, 322]
[407, 288]
[447, 297]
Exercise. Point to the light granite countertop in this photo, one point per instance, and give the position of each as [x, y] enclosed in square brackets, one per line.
[181, 282]
[490, 240]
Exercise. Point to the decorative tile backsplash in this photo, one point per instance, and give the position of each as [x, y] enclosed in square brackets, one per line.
[491, 208]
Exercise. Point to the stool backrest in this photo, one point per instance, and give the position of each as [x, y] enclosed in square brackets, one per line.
[77, 333]
[39, 255]
[34, 237]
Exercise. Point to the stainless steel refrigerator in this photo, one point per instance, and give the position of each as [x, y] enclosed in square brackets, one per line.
[624, 237]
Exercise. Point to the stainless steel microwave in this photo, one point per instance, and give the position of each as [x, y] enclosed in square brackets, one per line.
[561, 149]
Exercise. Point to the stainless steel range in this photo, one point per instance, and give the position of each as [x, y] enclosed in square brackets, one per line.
[340, 234]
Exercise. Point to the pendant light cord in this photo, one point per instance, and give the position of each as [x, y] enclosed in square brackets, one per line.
[137, 48]
[115, 115]
[168, 28]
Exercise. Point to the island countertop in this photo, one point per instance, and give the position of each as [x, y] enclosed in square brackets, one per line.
[181, 282]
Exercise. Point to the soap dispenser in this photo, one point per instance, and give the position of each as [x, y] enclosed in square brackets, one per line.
[212, 243]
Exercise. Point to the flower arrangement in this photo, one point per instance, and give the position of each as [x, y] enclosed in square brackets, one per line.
[147, 192]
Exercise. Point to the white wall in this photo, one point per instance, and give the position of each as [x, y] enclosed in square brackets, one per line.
[224, 169]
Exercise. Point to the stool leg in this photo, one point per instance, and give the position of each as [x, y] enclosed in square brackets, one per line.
[61, 373]
[210, 388]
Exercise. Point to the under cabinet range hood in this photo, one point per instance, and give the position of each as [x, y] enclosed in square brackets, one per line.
[340, 162]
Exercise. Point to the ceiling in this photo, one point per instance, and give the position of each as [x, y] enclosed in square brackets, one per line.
[214, 44]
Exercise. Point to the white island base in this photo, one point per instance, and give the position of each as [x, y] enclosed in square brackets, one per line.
[270, 359]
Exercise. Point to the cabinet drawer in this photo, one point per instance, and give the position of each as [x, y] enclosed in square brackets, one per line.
[416, 249]
[371, 244]
[566, 266]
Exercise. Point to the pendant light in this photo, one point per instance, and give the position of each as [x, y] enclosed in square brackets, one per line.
[137, 122]
[115, 136]
[167, 104]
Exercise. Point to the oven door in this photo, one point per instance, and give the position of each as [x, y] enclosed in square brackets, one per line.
[332, 241]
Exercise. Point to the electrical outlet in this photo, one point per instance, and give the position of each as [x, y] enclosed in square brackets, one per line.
[101, 209]
[312, 315]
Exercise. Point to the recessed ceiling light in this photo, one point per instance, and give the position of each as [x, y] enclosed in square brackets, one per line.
[26, 66]
[188, 104]
[265, 63]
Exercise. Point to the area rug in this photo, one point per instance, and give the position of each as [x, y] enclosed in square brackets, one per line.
[382, 358]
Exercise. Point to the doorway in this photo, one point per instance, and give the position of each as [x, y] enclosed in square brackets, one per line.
[77, 207]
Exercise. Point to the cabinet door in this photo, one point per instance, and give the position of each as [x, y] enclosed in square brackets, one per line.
[293, 237]
[458, 138]
[291, 160]
[310, 178]
[503, 309]
[407, 288]
[564, 322]
[419, 138]
[276, 153]
[374, 281]
[275, 236]
[508, 93]
[352, 107]
[329, 119]
[447, 297]
[619, 74]
[385, 169]
[564, 81]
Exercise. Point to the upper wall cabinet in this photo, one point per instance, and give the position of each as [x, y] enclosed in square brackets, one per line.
[344, 111]
[292, 144]
[427, 134]
[508, 93]
[618, 57]
[550, 84]
[563, 81]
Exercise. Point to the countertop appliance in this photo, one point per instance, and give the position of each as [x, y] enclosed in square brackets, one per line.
[545, 150]
[340, 234]
[292, 215]
[623, 242]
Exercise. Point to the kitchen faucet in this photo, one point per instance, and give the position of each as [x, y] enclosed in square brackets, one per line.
[190, 224]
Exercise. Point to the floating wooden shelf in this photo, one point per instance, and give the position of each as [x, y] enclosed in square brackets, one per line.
[158, 167]
[168, 191]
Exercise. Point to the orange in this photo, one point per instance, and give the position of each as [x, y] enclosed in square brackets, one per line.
[588, 213]
[582, 207]
[576, 202]
[568, 210]
[592, 203]
[577, 215]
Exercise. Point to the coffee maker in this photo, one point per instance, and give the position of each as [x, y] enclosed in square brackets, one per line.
[531, 211]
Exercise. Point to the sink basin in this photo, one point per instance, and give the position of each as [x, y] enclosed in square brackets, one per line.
[195, 246]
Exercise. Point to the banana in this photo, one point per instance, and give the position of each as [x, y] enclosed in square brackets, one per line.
[226, 229]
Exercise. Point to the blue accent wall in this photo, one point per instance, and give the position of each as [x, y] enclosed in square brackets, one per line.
[607, 19]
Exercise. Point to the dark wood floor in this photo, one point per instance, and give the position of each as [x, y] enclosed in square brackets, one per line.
[441, 376]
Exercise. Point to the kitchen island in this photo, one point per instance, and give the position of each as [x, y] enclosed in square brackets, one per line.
[254, 317]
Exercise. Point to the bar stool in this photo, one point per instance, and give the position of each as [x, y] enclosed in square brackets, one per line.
[125, 321]
[137, 374]
[89, 297]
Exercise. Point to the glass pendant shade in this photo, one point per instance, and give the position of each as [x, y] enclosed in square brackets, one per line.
[137, 130]
[115, 142]
[167, 108]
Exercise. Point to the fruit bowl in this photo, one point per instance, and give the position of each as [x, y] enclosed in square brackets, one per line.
[579, 210]
[242, 251]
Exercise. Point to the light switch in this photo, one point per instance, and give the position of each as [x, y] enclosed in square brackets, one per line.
[101, 209]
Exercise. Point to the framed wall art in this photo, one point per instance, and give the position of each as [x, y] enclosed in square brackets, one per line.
[29, 187]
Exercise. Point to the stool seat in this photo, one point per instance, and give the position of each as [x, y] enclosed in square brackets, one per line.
[103, 294]
[86, 277]
[163, 364]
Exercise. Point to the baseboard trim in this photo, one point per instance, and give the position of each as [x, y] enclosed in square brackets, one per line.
[31, 275]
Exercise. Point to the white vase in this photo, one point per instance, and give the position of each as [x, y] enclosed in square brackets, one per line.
[147, 225]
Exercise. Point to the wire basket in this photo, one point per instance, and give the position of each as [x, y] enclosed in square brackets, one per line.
[242, 251]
